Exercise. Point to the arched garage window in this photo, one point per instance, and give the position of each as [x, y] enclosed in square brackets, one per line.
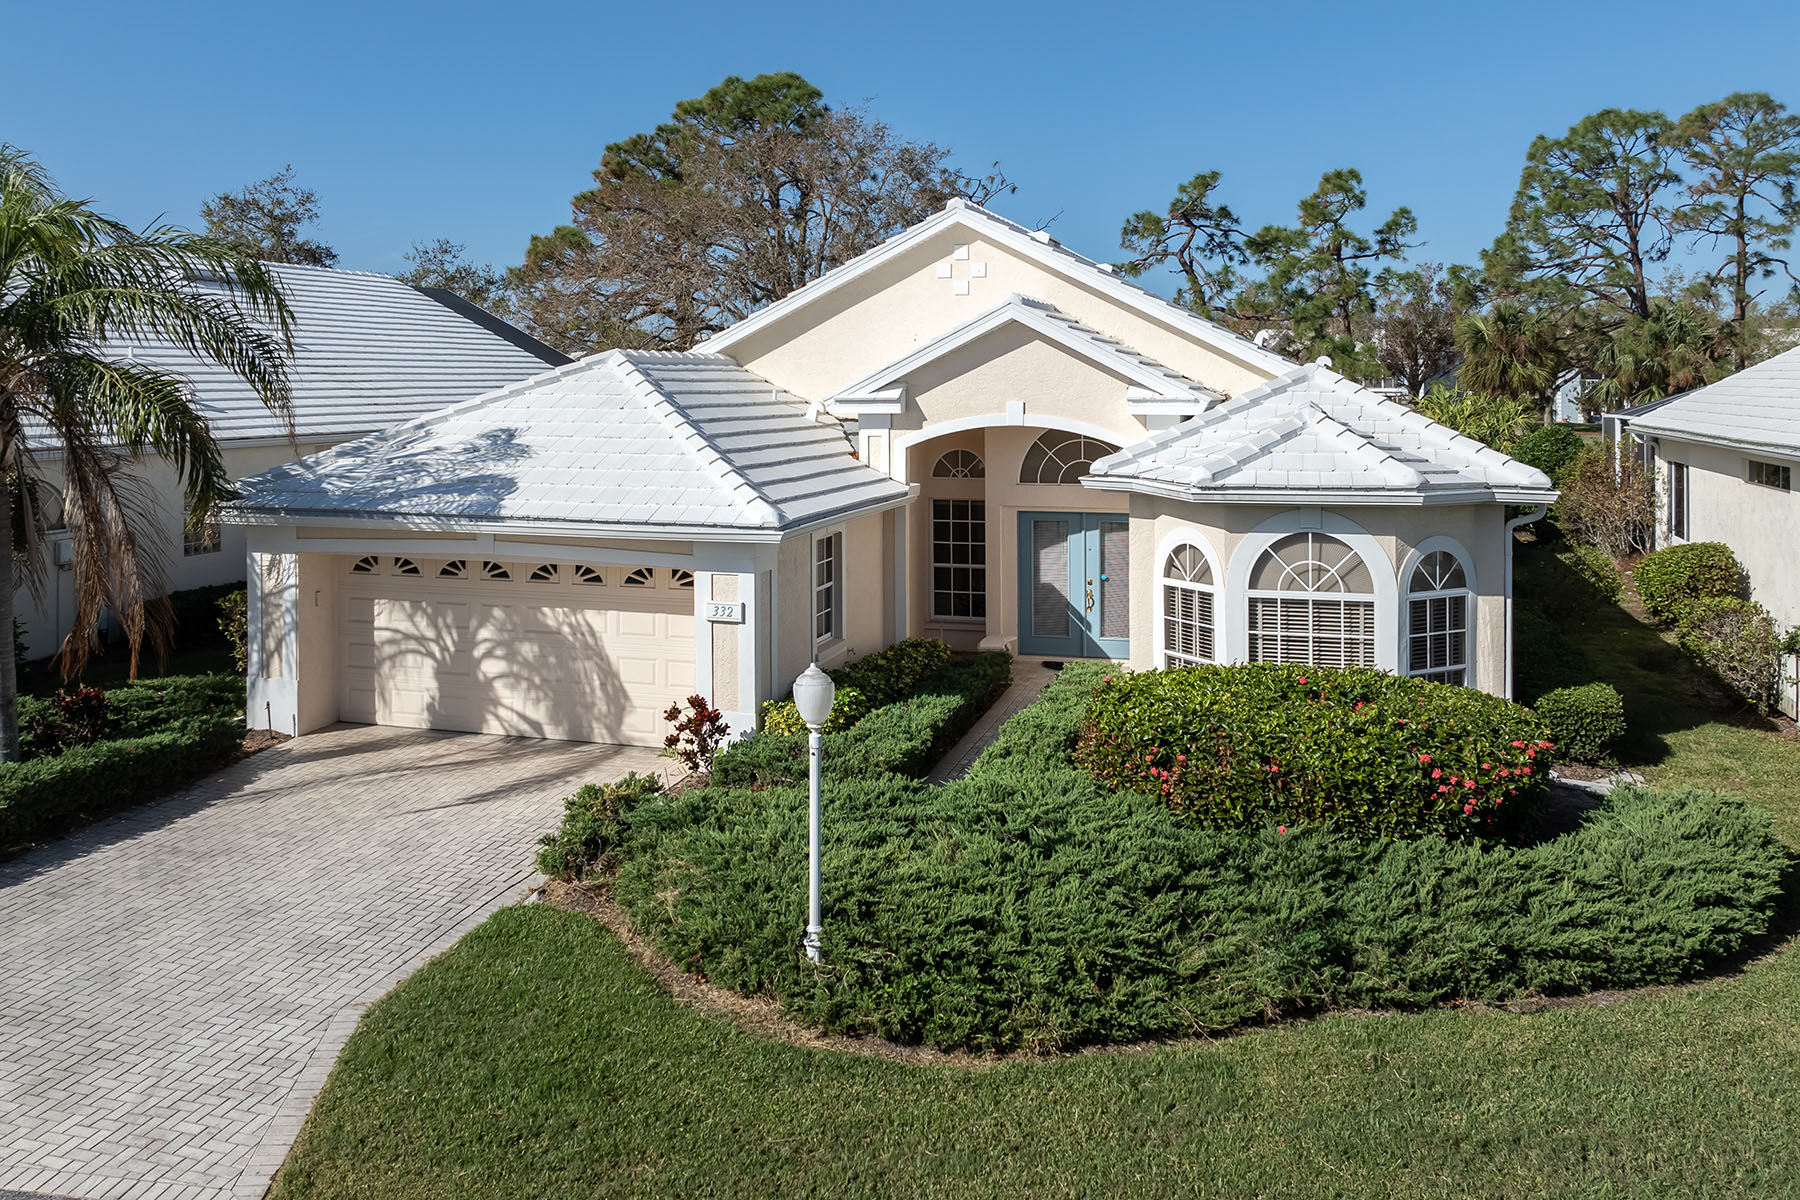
[1312, 600]
[1187, 594]
[1437, 619]
[1058, 457]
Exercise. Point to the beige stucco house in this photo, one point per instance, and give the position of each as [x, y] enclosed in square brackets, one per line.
[969, 432]
[1724, 457]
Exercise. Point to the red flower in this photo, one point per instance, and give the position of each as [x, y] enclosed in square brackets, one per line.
[1274, 769]
[1181, 758]
[1281, 829]
[1424, 758]
[1518, 745]
[1467, 809]
[1524, 770]
[1437, 772]
[1468, 783]
[1106, 679]
[1303, 679]
[1486, 766]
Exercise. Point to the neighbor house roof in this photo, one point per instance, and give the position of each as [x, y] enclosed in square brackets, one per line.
[1312, 433]
[1036, 245]
[648, 443]
[1757, 408]
[369, 351]
[1152, 387]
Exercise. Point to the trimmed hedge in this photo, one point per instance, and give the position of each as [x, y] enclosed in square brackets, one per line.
[593, 825]
[1584, 721]
[906, 737]
[1670, 579]
[1028, 906]
[1736, 639]
[869, 683]
[163, 733]
[1262, 744]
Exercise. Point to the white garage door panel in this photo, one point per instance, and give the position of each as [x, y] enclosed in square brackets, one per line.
[510, 657]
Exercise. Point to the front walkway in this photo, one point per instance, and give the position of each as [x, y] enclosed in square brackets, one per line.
[175, 982]
[1029, 679]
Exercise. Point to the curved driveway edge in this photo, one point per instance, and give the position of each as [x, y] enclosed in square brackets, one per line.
[180, 978]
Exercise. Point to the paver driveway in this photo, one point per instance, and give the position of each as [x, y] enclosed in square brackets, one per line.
[175, 982]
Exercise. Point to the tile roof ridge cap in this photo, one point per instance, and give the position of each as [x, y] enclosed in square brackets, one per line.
[695, 440]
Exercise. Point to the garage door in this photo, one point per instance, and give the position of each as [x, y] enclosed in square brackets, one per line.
[540, 649]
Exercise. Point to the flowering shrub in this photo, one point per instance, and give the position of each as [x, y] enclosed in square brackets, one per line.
[68, 719]
[1260, 744]
[698, 734]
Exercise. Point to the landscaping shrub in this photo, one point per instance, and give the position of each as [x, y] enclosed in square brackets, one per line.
[1583, 722]
[866, 684]
[907, 736]
[592, 826]
[56, 723]
[163, 733]
[234, 624]
[1372, 754]
[1544, 659]
[1670, 579]
[1605, 503]
[1029, 906]
[1552, 449]
[1736, 639]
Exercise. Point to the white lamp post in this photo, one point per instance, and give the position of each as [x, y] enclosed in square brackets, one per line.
[813, 694]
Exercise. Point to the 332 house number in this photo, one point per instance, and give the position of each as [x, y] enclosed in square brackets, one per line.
[731, 611]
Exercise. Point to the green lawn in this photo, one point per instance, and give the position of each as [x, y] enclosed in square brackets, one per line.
[535, 1059]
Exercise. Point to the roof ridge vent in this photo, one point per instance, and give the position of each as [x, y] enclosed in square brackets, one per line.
[1043, 236]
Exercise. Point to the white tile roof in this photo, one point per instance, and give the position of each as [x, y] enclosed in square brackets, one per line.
[1314, 433]
[650, 442]
[1757, 407]
[369, 351]
[1151, 378]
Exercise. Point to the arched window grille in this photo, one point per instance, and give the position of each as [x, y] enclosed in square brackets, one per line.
[1188, 593]
[1058, 457]
[1437, 619]
[959, 464]
[1312, 600]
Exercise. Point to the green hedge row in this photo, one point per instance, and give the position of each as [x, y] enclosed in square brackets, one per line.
[1266, 744]
[1030, 906]
[165, 733]
[906, 736]
[870, 682]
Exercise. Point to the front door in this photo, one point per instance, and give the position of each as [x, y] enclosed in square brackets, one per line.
[1074, 584]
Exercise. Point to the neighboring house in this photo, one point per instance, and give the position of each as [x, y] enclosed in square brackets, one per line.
[1725, 457]
[969, 433]
[369, 351]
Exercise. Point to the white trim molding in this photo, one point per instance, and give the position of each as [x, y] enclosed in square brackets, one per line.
[1015, 416]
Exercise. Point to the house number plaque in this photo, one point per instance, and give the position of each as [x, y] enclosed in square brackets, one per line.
[725, 611]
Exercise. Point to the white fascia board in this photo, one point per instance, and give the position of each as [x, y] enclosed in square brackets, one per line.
[1058, 259]
[887, 402]
[1346, 497]
[1643, 427]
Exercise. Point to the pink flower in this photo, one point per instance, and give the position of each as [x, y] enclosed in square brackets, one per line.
[1518, 745]
[1437, 772]
[1303, 679]
[1274, 769]
[1468, 783]
[1281, 829]
[1442, 788]
[1524, 770]
[1106, 679]
[1424, 758]
[1149, 758]
[1467, 809]
[1181, 758]
[1486, 766]
[1357, 707]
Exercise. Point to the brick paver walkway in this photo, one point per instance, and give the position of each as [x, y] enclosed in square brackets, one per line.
[1029, 679]
[175, 982]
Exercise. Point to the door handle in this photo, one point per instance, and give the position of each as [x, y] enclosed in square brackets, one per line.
[1090, 600]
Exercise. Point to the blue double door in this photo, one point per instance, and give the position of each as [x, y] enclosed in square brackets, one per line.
[1075, 584]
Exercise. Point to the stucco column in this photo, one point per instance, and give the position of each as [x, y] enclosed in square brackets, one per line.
[271, 584]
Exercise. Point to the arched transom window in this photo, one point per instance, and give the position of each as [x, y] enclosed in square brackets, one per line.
[1061, 458]
[1187, 608]
[1437, 619]
[959, 464]
[1312, 600]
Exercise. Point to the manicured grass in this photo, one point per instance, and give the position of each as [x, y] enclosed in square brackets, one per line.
[535, 1059]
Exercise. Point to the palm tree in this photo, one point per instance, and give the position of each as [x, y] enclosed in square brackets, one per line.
[72, 279]
[1509, 351]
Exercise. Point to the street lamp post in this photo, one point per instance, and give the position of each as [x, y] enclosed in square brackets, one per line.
[813, 694]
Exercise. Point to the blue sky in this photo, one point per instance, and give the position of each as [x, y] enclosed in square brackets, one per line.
[478, 122]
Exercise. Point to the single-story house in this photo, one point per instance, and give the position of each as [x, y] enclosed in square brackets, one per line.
[369, 351]
[1724, 457]
[969, 432]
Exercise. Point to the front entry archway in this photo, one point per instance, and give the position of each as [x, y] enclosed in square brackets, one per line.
[1075, 584]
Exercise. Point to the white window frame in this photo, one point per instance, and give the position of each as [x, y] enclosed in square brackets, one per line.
[1783, 472]
[832, 592]
[972, 566]
[1677, 501]
[1176, 541]
[1471, 602]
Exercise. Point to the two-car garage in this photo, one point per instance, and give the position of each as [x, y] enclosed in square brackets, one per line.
[539, 649]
